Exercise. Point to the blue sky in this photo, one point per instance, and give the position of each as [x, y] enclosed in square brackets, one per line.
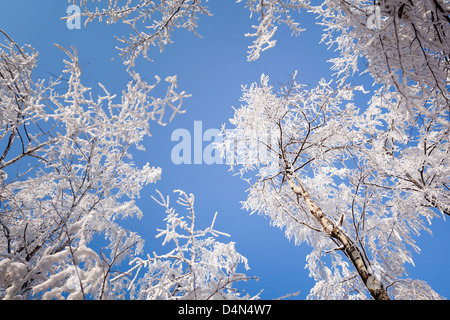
[212, 69]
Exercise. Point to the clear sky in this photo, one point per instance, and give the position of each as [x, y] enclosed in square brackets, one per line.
[212, 69]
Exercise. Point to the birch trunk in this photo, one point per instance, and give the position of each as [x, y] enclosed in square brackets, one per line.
[349, 247]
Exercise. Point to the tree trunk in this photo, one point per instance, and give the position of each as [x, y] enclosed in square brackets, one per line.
[351, 250]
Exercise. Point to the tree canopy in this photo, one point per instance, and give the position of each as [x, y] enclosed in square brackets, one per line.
[356, 183]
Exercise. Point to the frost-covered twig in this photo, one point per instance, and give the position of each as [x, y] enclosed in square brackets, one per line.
[198, 266]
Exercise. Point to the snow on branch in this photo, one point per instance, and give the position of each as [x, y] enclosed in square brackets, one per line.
[67, 176]
[151, 22]
[198, 266]
[270, 14]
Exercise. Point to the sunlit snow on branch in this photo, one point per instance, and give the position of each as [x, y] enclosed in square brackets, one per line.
[197, 268]
[67, 176]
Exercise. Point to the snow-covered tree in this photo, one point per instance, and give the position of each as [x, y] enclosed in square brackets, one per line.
[67, 177]
[371, 178]
[404, 44]
[151, 22]
[356, 183]
[328, 180]
[198, 267]
[411, 158]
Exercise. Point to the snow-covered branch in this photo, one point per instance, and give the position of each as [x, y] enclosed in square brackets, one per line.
[67, 176]
[337, 181]
[198, 267]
